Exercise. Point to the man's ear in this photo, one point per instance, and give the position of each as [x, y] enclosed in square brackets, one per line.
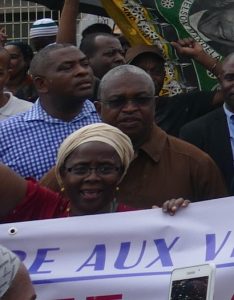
[41, 84]
[98, 107]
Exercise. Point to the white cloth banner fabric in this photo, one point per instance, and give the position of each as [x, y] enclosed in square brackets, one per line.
[125, 255]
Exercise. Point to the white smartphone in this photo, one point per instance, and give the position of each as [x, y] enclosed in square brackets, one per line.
[192, 283]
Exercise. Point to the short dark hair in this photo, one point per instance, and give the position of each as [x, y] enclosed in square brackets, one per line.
[87, 45]
[96, 28]
[41, 59]
[24, 48]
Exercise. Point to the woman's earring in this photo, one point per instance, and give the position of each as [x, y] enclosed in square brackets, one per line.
[62, 189]
[117, 189]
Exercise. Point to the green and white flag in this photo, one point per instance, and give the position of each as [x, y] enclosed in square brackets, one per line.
[209, 22]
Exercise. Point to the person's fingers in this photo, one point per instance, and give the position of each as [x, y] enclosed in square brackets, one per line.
[183, 47]
[176, 45]
[165, 206]
[188, 41]
[3, 31]
[3, 36]
[186, 203]
[184, 42]
[171, 206]
[181, 202]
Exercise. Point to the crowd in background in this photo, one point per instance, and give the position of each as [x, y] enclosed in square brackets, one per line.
[85, 130]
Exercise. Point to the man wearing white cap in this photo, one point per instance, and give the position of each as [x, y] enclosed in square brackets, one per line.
[42, 33]
[15, 282]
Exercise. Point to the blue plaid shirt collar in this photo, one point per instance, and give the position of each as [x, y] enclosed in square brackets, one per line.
[37, 112]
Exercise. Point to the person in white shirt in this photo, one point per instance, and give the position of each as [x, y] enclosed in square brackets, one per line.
[15, 282]
[9, 104]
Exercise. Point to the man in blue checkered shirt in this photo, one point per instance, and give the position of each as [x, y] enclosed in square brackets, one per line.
[64, 79]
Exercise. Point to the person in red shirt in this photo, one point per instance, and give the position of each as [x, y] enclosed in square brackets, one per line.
[91, 162]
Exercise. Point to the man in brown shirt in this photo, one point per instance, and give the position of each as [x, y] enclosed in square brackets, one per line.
[165, 167]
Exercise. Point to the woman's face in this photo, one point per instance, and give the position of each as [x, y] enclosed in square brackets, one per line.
[90, 176]
[17, 62]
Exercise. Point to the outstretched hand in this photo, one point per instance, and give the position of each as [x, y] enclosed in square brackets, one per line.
[173, 205]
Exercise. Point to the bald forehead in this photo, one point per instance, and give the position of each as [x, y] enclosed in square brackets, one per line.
[66, 51]
[62, 55]
[127, 75]
[124, 80]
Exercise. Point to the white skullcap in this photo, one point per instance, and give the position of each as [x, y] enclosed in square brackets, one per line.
[43, 27]
[100, 132]
[9, 265]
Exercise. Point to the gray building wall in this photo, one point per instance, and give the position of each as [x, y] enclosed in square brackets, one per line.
[17, 16]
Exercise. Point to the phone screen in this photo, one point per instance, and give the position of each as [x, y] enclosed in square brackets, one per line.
[190, 289]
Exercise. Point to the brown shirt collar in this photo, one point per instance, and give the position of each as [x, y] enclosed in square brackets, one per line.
[156, 143]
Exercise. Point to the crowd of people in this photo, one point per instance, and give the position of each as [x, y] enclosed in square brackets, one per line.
[84, 131]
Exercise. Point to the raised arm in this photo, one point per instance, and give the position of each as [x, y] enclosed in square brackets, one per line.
[12, 189]
[190, 48]
[67, 25]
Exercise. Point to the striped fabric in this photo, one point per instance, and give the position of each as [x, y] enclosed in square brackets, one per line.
[43, 27]
[9, 265]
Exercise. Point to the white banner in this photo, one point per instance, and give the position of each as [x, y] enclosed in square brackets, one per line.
[125, 255]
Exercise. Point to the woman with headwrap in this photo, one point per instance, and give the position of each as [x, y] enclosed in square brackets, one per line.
[21, 83]
[15, 282]
[90, 164]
